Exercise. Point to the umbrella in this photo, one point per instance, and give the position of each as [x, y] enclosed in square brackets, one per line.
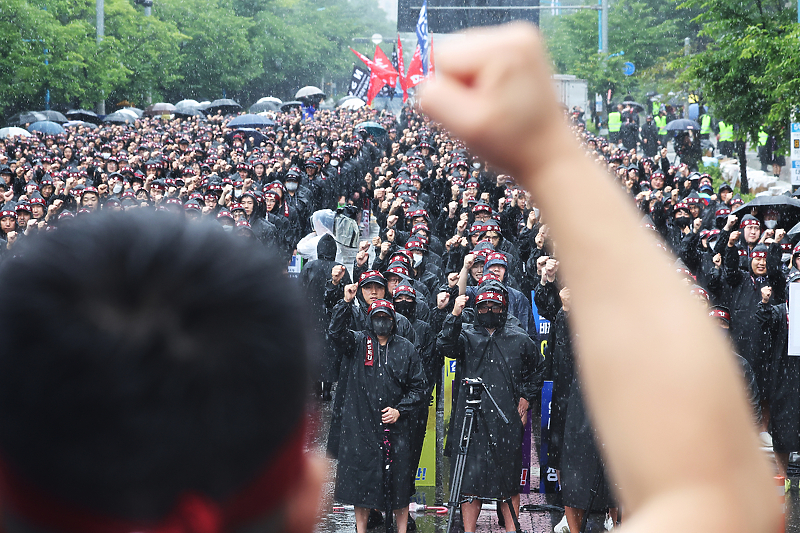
[634, 105]
[286, 106]
[28, 117]
[188, 102]
[270, 99]
[83, 115]
[683, 124]
[788, 207]
[47, 127]
[79, 124]
[309, 91]
[793, 234]
[352, 103]
[135, 110]
[53, 116]
[250, 121]
[186, 112]
[258, 107]
[223, 106]
[122, 116]
[257, 136]
[161, 108]
[373, 128]
[14, 132]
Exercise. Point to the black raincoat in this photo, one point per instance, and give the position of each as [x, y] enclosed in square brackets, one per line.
[394, 379]
[510, 365]
[784, 379]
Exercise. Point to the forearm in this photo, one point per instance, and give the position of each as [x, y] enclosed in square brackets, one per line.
[615, 369]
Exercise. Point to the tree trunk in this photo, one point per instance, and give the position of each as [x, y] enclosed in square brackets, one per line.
[740, 151]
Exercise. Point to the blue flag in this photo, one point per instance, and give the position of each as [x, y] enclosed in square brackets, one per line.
[423, 37]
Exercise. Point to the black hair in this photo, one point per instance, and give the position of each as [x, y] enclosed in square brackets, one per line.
[145, 357]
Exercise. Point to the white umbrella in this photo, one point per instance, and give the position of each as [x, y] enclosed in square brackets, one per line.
[270, 99]
[14, 132]
[309, 90]
[352, 104]
[188, 103]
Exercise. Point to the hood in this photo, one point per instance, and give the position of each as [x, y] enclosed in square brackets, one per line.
[326, 248]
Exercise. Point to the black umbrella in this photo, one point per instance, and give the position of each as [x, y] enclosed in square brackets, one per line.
[247, 133]
[54, 116]
[267, 105]
[286, 106]
[635, 105]
[683, 124]
[84, 115]
[788, 207]
[27, 117]
[223, 106]
[187, 112]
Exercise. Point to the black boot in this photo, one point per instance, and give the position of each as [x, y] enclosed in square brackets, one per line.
[501, 518]
[412, 524]
[375, 519]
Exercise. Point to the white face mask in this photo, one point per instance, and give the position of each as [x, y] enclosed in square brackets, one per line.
[237, 193]
[334, 163]
[417, 260]
[291, 186]
[771, 224]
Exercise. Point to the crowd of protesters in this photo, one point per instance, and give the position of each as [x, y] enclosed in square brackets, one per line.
[460, 254]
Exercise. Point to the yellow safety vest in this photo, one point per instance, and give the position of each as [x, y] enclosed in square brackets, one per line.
[762, 138]
[661, 122]
[656, 107]
[614, 121]
[705, 125]
[725, 132]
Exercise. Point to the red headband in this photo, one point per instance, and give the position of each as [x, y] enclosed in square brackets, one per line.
[193, 513]
[750, 222]
[719, 313]
[490, 296]
[759, 254]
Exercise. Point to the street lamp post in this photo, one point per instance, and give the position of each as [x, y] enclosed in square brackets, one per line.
[100, 9]
[686, 47]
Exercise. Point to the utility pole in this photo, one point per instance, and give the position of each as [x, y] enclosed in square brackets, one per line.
[101, 22]
[686, 47]
[604, 25]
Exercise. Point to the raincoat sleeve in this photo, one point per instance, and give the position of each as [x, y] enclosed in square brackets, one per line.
[334, 293]
[547, 300]
[722, 242]
[777, 279]
[730, 264]
[338, 330]
[449, 343]
[690, 252]
[532, 372]
[417, 386]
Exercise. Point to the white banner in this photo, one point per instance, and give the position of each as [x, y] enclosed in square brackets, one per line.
[794, 319]
[794, 152]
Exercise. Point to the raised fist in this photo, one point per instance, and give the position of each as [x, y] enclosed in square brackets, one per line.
[337, 273]
[350, 292]
[461, 303]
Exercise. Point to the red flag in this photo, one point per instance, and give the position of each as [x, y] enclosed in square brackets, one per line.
[386, 66]
[414, 76]
[431, 66]
[401, 66]
[375, 85]
[373, 67]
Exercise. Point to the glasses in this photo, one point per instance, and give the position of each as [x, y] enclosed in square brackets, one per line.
[483, 309]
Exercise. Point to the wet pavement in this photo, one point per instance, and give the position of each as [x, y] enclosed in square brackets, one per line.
[343, 521]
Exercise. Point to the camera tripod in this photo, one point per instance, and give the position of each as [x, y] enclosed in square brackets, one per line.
[473, 389]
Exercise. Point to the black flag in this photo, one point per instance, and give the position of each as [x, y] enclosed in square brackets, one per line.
[359, 83]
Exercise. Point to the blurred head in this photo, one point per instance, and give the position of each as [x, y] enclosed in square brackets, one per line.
[170, 406]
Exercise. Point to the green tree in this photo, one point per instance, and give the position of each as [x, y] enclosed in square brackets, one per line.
[742, 72]
[216, 54]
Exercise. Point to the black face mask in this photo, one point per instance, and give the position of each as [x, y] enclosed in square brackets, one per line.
[382, 325]
[407, 309]
[683, 222]
[488, 320]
